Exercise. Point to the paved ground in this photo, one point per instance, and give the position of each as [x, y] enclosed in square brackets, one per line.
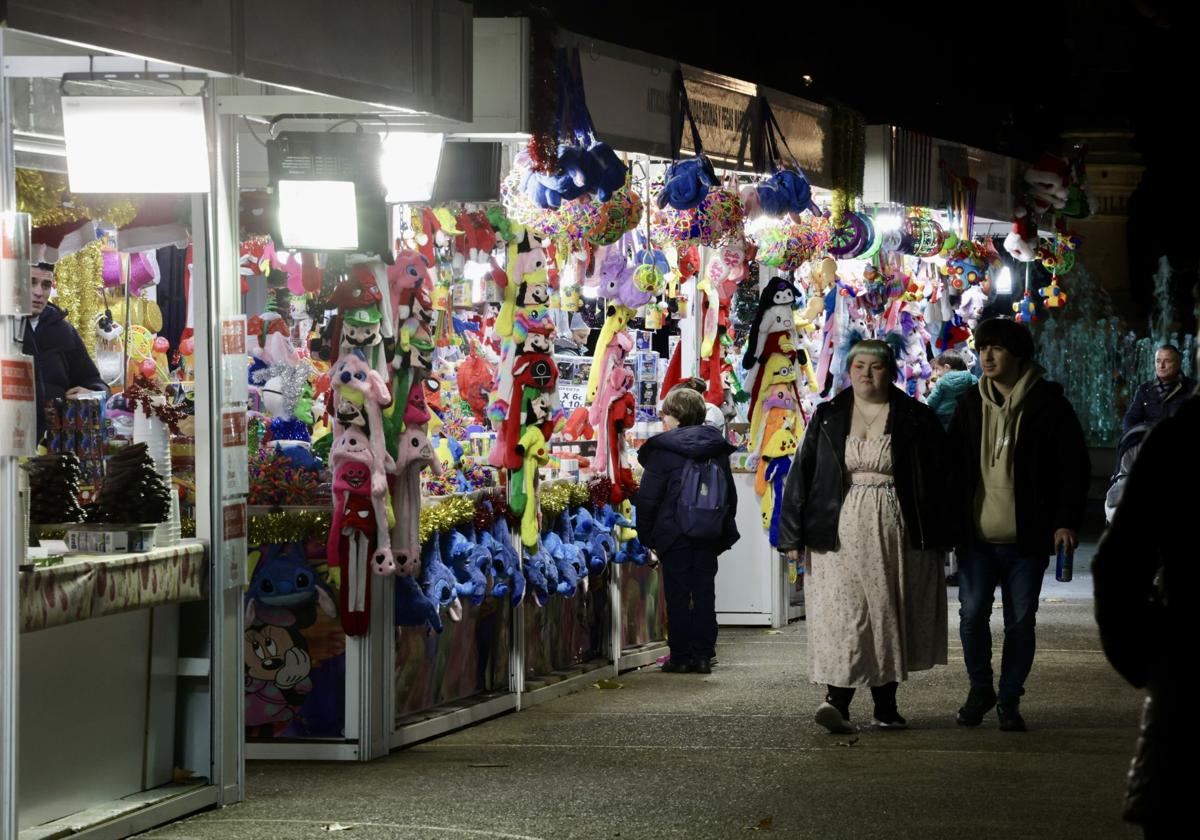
[685, 756]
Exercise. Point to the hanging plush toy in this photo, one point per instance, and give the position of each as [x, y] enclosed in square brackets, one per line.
[351, 542]
[438, 582]
[779, 370]
[617, 320]
[352, 445]
[523, 499]
[772, 473]
[415, 452]
[774, 314]
[359, 395]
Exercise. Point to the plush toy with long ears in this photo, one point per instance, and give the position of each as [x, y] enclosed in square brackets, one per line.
[781, 343]
[414, 454]
[508, 581]
[779, 370]
[778, 294]
[534, 399]
[528, 286]
[575, 552]
[413, 608]
[612, 383]
[409, 283]
[617, 320]
[351, 446]
[469, 561]
[284, 591]
[438, 582]
[632, 551]
[359, 389]
[541, 575]
[772, 473]
[601, 545]
[523, 496]
[351, 542]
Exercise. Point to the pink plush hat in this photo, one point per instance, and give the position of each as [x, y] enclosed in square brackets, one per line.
[143, 270]
[416, 412]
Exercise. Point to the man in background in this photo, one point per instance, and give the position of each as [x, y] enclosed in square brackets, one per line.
[62, 366]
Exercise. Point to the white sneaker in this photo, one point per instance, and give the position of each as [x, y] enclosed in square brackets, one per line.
[828, 716]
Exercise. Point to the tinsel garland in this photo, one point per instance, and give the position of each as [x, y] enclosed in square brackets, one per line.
[141, 392]
[44, 196]
[288, 526]
[78, 279]
[560, 495]
[599, 491]
[443, 516]
[187, 527]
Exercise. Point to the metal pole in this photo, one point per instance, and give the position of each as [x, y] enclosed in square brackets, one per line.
[11, 532]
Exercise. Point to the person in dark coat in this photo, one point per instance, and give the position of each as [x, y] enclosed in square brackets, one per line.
[866, 499]
[1021, 482]
[61, 364]
[1144, 573]
[1161, 396]
[689, 565]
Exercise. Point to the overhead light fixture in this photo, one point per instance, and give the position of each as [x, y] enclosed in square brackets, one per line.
[410, 165]
[318, 215]
[1004, 282]
[136, 144]
[327, 194]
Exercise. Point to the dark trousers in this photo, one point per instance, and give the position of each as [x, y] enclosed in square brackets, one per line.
[980, 568]
[689, 580]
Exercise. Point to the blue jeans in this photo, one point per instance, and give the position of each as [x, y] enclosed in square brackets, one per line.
[980, 568]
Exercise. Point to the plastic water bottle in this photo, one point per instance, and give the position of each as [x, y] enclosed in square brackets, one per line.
[1065, 566]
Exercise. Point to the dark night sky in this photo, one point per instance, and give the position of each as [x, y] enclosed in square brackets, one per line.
[1010, 78]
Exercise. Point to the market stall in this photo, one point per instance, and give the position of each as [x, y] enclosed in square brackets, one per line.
[124, 561]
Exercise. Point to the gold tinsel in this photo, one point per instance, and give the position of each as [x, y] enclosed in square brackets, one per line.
[443, 516]
[288, 526]
[44, 196]
[559, 495]
[79, 279]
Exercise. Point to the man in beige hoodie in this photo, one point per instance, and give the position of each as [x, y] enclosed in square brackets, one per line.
[1021, 484]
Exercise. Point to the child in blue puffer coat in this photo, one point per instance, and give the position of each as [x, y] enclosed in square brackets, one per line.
[953, 380]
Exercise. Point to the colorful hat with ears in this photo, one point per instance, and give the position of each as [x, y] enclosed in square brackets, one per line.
[416, 412]
[777, 344]
[779, 291]
[618, 318]
[359, 290]
[533, 374]
[778, 370]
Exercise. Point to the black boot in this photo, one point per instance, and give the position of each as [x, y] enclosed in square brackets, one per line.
[834, 713]
[886, 714]
[980, 700]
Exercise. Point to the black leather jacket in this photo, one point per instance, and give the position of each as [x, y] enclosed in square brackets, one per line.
[817, 482]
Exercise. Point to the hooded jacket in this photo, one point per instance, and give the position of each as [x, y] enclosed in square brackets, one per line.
[663, 458]
[950, 386]
[995, 507]
[1051, 468]
[60, 361]
[817, 482]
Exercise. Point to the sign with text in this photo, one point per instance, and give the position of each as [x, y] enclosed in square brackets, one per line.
[233, 360]
[233, 452]
[233, 546]
[14, 264]
[18, 406]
